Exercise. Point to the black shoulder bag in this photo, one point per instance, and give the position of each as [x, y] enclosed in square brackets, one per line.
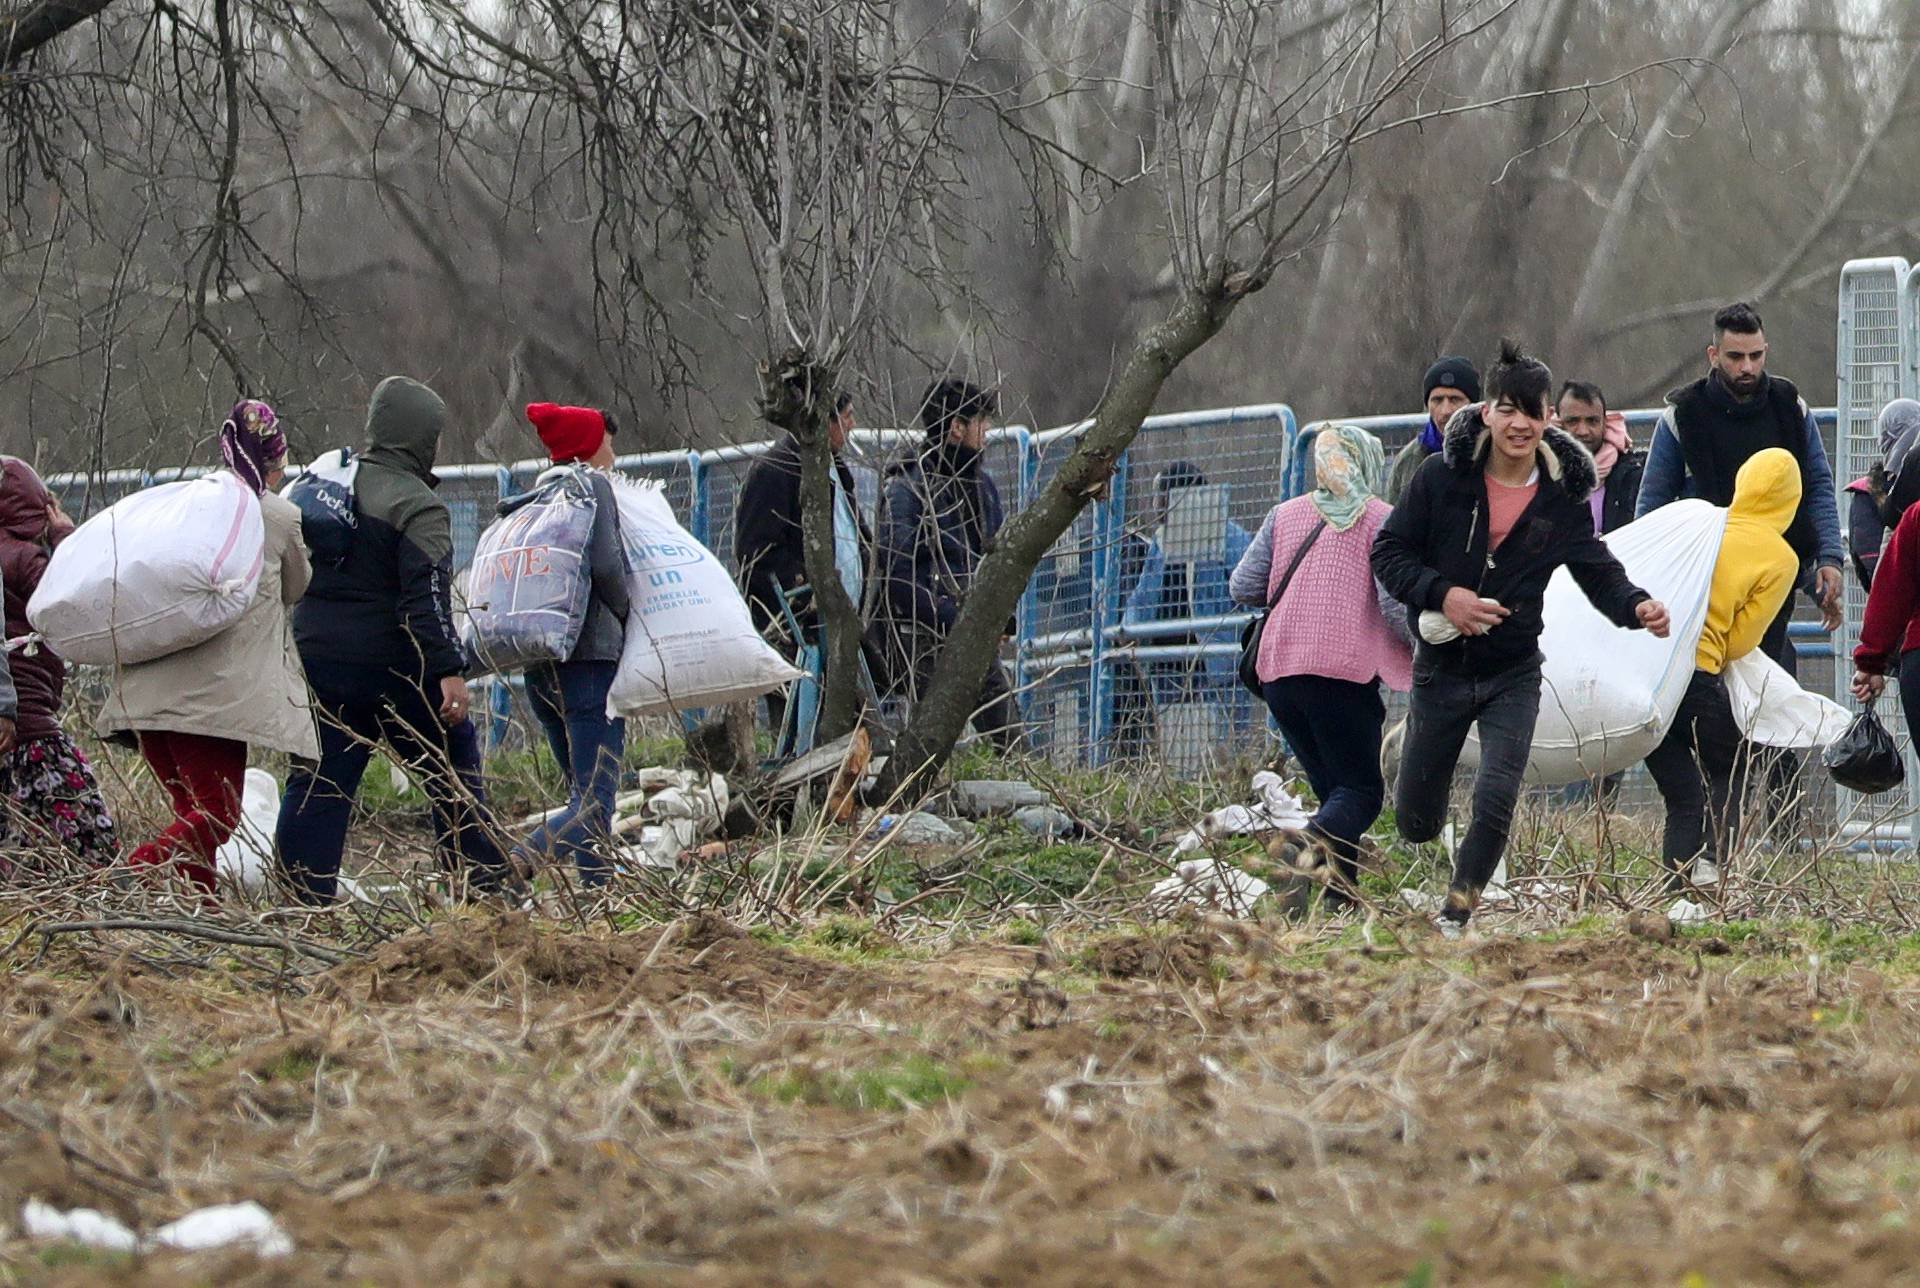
[1251, 634]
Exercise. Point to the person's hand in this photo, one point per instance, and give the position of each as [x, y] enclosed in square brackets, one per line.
[1868, 687]
[1653, 615]
[6, 735]
[1470, 614]
[454, 700]
[1827, 586]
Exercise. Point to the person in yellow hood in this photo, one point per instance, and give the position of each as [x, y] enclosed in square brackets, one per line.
[1702, 763]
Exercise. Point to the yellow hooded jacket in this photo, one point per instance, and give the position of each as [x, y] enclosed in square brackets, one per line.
[1756, 570]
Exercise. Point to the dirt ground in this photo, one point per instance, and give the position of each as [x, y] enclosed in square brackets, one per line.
[500, 1102]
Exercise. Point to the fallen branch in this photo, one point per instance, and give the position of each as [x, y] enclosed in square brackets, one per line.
[192, 929]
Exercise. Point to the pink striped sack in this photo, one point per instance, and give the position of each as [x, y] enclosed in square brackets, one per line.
[159, 571]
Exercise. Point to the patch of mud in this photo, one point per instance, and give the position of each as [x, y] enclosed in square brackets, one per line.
[702, 957]
[1186, 956]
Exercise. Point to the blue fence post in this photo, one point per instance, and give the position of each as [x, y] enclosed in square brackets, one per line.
[697, 498]
[1030, 597]
[1109, 528]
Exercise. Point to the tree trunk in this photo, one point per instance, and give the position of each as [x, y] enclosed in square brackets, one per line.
[38, 24]
[941, 714]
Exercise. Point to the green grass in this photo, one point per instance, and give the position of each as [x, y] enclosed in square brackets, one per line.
[916, 1081]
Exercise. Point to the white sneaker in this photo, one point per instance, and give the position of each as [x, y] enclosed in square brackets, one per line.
[1706, 873]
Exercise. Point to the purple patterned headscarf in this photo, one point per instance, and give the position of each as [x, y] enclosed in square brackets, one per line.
[251, 440]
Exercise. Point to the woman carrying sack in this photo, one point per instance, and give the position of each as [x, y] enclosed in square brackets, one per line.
[48, 793]
[195, 713]
[1326, 647]
[570, 697]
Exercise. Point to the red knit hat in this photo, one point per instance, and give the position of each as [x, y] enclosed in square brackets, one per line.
[569, 433]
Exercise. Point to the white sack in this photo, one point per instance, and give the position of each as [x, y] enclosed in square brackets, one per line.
[1608, 694]
[159, 571]
[690, 642]
[1773, 710]
[247, 856]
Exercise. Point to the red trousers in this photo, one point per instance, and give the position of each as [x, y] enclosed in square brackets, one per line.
[203, 777]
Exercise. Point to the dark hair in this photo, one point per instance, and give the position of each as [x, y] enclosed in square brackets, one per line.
[1740, 317]
[1519, 379]
[954, 399]
[1179, 474]
[1585, 392]
[842, 401]
[612, 423]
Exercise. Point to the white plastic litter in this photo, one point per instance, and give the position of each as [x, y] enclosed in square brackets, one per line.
[81, 1225]
[1277, 809]
[1685, 912]
[684, 805]
[225, 1226]
[247, 856]
[1210, 884]
[229, 1225]
[690, 642]
[1608, 695]
[157, 572]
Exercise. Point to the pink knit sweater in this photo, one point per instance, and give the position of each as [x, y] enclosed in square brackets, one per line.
[1329, 623]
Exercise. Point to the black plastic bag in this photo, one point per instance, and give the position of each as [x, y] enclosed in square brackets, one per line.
[1864, 758]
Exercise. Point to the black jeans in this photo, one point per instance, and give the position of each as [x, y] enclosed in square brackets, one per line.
[1700, 767]
[1333, 728]
[1779, 766]
[1443, 709]
[359, 706]
[996, 715]
[1910, 689]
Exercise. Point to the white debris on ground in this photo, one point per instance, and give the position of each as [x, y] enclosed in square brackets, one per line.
[1210, 884]
[1275, 809]
[228, 1225]
[1685, 912]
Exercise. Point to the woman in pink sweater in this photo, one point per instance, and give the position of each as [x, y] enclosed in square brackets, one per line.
[1327, 646]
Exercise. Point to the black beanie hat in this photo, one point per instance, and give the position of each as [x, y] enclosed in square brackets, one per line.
[1452, 373]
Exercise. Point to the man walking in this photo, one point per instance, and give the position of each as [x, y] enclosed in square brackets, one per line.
[1450, 384]
[1472, 545]
[1581, 410]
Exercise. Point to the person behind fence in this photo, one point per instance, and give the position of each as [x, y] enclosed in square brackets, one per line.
[1327, 647]
[767, 540]
[939, 511]
[1890, 631]
[570, 698]
[1701, 766]
[1450, 384]
[1173, 584]
[48, 793]
[376, 636]
[1472, 546]
[1872, 508]
[194, 714]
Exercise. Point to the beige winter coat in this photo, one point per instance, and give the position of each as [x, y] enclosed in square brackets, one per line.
[245, 683]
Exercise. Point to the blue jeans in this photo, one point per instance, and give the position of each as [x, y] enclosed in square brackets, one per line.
[359, 706]
[570, 701]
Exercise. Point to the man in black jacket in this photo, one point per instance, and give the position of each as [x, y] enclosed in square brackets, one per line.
[939, 512]
[767, 542]
[1471, 545]
[1581, 410]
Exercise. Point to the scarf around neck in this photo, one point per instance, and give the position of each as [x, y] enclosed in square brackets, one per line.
[1614, 443]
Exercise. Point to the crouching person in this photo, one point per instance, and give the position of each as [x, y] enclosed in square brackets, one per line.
[1701, 763]
[1326, 647]
[48, 793]
[376, 637]
[194, 713]
[1474, 541]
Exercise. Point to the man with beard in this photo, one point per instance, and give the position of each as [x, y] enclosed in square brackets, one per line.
[1709, 430]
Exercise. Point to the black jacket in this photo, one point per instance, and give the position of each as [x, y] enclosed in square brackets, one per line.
[1436, 539]
[766, 533]
[389, 603]
[1623, 491]
[939, 512]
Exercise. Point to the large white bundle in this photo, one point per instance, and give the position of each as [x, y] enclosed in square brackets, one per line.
[247, 857]
[1608, 695]
[690, 642]
[159, 571]
[1773, 710]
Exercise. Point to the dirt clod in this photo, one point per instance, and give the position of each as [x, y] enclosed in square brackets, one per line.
[1185, 956]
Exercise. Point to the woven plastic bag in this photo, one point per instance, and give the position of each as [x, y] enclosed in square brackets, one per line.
[157, 572]
[1608, 695]
[690, 642]
[528, 586]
